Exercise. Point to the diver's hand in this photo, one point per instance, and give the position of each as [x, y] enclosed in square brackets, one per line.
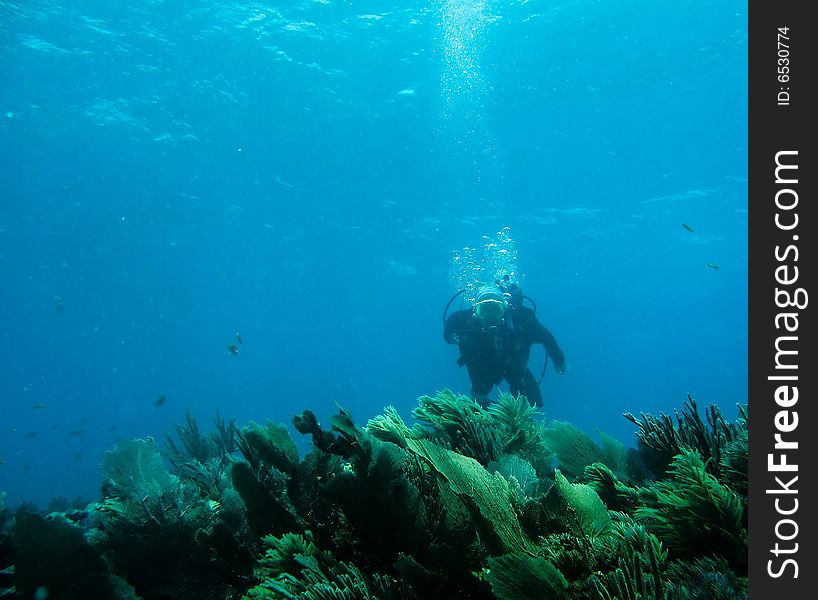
[560, 369]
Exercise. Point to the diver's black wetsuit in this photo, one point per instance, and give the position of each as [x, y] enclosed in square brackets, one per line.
[496, 353]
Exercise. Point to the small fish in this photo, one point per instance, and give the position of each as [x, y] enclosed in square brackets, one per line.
[31, 435]
[2, 461]
[58, 304]
[712, 266]
[84, 420]
[160, 401]
[112, 428]
[37, 406]
[238, 337]
[688, 227]
[53, 427]
[79, 456]
[233, 349]
[76, 432]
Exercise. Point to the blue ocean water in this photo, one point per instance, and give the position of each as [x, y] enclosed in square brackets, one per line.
[303, 173]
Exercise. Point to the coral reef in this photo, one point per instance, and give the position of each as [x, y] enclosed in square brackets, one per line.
[466, 503]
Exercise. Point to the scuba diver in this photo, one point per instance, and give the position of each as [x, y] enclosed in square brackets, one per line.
[495, 337]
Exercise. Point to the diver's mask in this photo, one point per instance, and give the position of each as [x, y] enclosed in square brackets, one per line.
[489, 307]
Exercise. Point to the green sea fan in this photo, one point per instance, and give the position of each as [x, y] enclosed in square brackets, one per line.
[134, 470]
[614, 453]
[524, 577]
[270, 444]
[575, 450]
[486, 496]
[583, 511]
[566, 508]
[516, 469]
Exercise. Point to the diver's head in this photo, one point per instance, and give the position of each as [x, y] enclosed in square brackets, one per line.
[489, 306]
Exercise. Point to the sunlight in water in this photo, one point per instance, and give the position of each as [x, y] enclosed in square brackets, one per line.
[464, 91]
[462, 22]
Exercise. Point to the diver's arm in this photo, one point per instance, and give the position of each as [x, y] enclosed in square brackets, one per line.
[543, 336]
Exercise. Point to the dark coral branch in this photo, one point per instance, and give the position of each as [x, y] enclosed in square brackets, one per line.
[690, 432]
